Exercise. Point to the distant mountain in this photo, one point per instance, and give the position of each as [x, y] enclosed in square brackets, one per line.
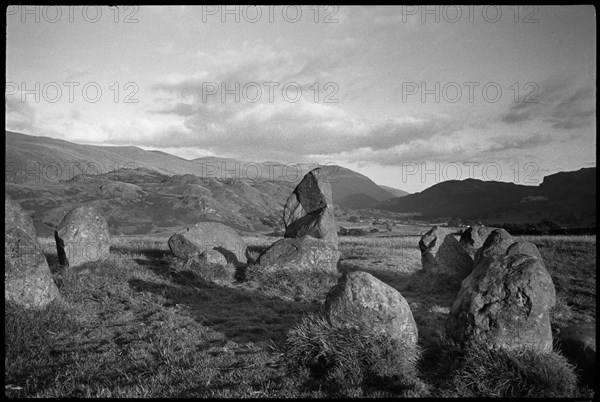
[31, 159]
[396, 192]
[150, 191]
[567, 198]
[344, 182]
[357, 201]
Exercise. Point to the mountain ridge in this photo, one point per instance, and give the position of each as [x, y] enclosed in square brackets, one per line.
[61, 160]
[565, 197]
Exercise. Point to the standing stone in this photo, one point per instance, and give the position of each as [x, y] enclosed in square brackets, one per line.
[359, 296]
[82, 236]
[473, 238]
[454, 258]
[305, 254]
[27, 278]
[432, 239]
[505, 302]
[209, 236]
[429, 263]
[496, 244]
[16, 217]
[309, 209]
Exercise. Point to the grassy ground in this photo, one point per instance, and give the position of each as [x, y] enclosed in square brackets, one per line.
[140, 325]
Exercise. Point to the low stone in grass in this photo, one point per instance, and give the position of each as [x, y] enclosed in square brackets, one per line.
[578, 343]
[82, 236]
[505, 302]
[304, 254]
[209, 236]
[219, 271]
[359, 296]
[213, 257]
[27, 278]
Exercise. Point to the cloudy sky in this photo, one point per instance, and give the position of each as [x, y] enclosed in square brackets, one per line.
[409, 96]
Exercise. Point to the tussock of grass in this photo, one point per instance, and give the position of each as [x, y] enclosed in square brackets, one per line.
[305, 286]
[475, 370]
[346, 359]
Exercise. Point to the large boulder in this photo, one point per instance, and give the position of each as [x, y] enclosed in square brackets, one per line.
[578, 343]
[453, 257]
[359, 296]
[505, 302]
[209, 236]
[495, 244]
[16, 217]
[304, 254]
[309, 209]
[27, 278]
[82, 236]
[473, 238]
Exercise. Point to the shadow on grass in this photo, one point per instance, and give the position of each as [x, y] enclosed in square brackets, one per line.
[241, 315]
[151, 253]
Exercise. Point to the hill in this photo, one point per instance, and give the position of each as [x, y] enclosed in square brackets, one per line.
[567, 198]
[396, 192]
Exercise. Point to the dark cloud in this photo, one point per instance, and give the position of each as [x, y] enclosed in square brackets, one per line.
[393, 133]
[560, 103]
[514, 117]
[519, 143]
[179, 109]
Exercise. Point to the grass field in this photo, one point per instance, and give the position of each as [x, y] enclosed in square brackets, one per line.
[140, 325]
